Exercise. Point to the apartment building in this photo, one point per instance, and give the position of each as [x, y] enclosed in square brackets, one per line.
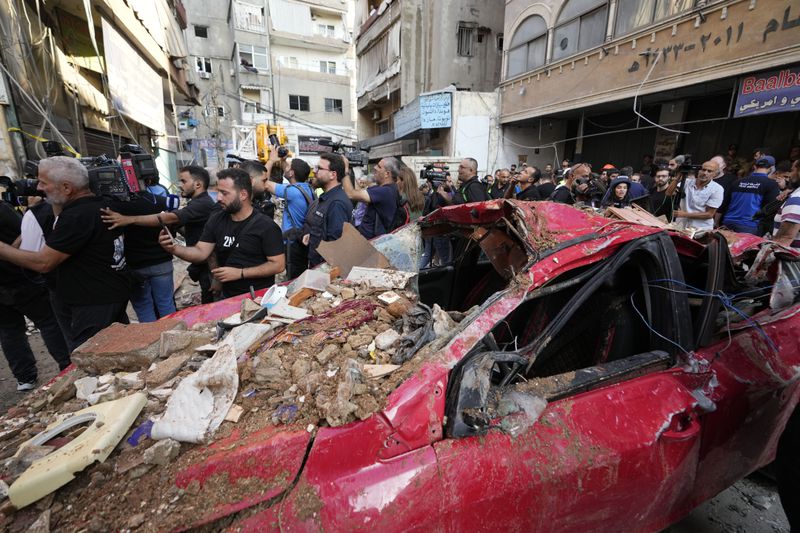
[416, 60]
[269, 61]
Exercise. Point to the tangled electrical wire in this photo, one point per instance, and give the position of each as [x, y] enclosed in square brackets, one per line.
[727, 301]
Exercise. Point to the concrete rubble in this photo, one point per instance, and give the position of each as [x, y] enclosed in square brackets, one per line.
[335, 366]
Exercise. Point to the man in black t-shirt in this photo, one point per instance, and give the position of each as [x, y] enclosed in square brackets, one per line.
[382, 201]
[528, 190]
[194, 182]
[660, 201]
[151, 267]
[23, 293]
[470, 189]
[248, 244]
[92, 286]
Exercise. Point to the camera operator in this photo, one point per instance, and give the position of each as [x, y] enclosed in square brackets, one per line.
[92, 286]
[24, 293]
[194, 183]
[470, 188]
[382, 201]
[299, 196]
[576, 181]
[150, 266]
[248, 244]
[700, 198]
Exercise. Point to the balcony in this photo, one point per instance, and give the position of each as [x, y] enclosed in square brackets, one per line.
[376, 25]
[250, 118]
[313, 75]
[311, 42]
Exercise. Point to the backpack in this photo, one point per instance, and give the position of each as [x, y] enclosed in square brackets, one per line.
[402, 215]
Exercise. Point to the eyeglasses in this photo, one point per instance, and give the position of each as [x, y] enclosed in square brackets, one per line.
[318, 168]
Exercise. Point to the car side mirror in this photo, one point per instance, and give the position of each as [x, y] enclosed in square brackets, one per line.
[468, 392]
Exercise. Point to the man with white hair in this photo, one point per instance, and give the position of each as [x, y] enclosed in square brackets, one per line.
[726, 179]
[91, 285]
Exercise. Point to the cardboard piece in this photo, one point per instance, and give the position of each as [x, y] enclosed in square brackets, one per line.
[637, 215]
[352, 249]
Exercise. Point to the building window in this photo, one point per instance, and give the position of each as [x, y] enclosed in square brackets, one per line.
[326, 30]
[202, 64]
[201, 31]
[500, 41]
[299, 103]
[466, 39]
[333, 105]
[632, 14]
[581, 25]
[288, 62]
[382, 127]
[249, 17]
[528, 46]
[253, 100]
[328, 67]
[253, 58]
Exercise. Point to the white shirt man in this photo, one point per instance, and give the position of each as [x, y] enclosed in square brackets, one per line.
[702, 198]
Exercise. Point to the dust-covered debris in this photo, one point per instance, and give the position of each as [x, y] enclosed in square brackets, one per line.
[329, 369]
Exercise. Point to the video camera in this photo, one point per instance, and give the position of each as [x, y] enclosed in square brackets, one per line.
[687, 167]
[356, 156]
[435, 174]
[107, 177]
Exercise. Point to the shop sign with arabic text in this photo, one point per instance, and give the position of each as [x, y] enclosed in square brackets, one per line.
[769, 92]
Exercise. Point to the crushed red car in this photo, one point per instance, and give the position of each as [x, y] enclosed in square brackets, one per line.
[607, 375]
[668, 365]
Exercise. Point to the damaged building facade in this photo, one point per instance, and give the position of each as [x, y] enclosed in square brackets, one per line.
[427, 72]
[576, 72]
[276, 62]
[92, 77]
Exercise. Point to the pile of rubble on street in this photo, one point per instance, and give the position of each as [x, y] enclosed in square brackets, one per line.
[100, 446]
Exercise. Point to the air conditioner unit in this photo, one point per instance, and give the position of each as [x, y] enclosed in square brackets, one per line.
[376, 114]
[205, 75]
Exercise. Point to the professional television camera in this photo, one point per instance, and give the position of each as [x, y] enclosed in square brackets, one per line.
[355, 155]
[435, 174]
[687, 167]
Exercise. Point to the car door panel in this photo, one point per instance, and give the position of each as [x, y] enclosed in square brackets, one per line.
[626, 454]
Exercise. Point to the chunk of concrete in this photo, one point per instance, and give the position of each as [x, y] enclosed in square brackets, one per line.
[165, 370]
[162, 452]
[123, 347]
[386, 340]
[176, 340]
[327, 353]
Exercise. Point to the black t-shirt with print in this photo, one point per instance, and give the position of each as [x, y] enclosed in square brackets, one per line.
[94, 272]
[243, 244]
[141, 242]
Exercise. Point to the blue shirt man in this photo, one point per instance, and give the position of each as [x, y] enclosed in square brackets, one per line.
[299, 197]
[748, 196]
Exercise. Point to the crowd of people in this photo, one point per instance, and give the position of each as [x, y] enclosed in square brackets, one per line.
[73, 262]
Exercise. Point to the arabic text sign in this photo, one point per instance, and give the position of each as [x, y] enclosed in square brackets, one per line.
[435, 110]
[770, 92]
[425, 112]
